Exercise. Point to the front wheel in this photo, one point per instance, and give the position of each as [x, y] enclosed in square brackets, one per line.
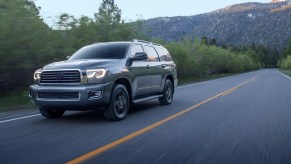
[167, 93]
[118, 104]
[51, 113]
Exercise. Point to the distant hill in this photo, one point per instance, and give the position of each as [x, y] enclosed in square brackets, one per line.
[267, 24]
[275, 1]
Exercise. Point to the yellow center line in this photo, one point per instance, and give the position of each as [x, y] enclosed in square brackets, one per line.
[232, 90]
[148, 128]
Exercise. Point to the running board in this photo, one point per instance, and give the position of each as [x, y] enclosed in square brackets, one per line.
[146, 98]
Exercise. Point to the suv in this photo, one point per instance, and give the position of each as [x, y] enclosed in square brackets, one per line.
[105, 76]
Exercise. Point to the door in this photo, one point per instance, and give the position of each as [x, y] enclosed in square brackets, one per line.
[155, 66]
[140, 74]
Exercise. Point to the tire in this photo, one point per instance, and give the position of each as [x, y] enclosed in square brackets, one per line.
[118, 104]
[167, 93]
[51, 113]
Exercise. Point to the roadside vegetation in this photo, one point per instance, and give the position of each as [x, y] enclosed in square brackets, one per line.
[27, 44]
[200, 60]
[15, 100]
[286, 72]
[285, 62]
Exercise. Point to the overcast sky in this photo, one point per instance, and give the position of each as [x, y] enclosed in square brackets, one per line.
[133, 9]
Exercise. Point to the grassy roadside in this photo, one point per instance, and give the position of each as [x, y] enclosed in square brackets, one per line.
[15, 100]
[286, 72]
[19, 99]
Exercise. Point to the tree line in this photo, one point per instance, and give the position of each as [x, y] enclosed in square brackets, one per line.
[285, 61]
[27, 43]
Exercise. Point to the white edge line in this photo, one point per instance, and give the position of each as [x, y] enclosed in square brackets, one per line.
[18, 115]
[284, 74]
[19, 118]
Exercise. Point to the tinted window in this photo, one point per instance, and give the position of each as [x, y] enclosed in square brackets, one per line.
[101, 51]
[152, 54]
[164, 54]
[136, 48]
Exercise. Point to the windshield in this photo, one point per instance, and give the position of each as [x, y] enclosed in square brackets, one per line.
[101, 51]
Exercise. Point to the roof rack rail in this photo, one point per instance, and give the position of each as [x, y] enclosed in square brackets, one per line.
[137, 40]
[156, 44]
[143, 41]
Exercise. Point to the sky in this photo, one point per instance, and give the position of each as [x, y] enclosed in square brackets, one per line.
[134, 9]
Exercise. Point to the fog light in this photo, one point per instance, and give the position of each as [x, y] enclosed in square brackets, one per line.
[94, 94]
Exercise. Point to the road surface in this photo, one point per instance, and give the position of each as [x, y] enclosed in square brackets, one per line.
[240, 119]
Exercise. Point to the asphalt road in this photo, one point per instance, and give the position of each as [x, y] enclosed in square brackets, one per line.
[240, 119]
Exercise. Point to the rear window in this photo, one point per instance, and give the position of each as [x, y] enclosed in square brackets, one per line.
[101, 51]
[164, 54]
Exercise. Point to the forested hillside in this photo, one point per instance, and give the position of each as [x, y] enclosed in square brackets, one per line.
[267, 24]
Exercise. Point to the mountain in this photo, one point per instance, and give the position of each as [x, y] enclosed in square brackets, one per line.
[267, 24]
[275, 1]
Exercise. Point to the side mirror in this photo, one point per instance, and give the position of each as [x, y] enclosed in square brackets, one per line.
[139, 56]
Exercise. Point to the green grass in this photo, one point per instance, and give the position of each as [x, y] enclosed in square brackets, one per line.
[287, 72]
[14, 100]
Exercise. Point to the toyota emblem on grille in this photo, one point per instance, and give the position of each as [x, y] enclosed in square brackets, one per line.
[59, 76]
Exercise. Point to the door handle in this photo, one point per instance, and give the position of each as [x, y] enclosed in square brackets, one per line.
[148, 66]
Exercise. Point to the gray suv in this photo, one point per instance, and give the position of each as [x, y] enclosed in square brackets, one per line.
[105, 76]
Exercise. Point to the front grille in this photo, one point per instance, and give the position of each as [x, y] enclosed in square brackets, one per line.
[58, 95]
[70, 76]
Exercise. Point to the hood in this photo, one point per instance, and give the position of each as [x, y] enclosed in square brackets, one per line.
[80, 64]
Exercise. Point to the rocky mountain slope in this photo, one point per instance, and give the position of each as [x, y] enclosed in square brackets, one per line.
[267, 24]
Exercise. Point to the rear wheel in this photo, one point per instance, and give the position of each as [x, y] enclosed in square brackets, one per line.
[51, 113]
[118, 104]
[167, 93]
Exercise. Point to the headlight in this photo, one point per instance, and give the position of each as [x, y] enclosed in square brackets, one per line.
[37, 74]
[97, 73]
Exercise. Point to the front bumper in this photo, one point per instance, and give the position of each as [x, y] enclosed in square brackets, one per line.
[83, 101]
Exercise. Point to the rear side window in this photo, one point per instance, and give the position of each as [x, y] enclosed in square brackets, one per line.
[135, 48]
[152, 54]
[164, 54]
[101, 51]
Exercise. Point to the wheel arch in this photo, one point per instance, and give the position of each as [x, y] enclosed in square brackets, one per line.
[127, 85]
[170, 77]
